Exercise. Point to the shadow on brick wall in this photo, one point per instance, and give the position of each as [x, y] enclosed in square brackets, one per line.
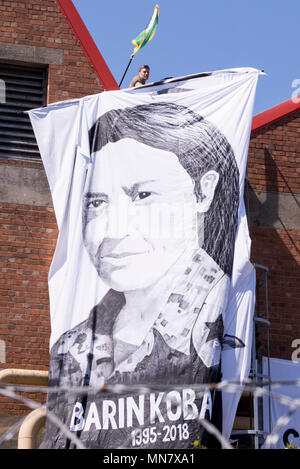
[274, 219]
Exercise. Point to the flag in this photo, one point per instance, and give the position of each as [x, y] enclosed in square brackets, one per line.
[147, 34]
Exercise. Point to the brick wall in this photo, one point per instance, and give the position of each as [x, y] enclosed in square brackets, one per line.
[33, 32]
[28, 237]
[274, 173]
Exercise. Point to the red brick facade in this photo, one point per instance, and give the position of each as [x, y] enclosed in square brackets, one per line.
[28, 232]
[28, 237]
[279, 170]
[274, 171]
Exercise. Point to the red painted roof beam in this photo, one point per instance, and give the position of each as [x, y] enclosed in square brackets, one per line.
[88, 45]
[276, 113]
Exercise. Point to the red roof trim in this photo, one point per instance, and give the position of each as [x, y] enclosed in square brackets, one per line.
[88, 45]
[275, 113]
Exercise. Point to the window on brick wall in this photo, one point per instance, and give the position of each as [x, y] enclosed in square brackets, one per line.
[21, 89]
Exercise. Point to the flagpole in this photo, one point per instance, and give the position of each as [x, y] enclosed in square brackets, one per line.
[143, 38]
[126, 70]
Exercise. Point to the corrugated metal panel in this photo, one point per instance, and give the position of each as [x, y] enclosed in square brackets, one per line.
[22, 88]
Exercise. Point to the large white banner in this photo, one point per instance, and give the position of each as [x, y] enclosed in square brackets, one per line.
[151, 282]
[281, 419]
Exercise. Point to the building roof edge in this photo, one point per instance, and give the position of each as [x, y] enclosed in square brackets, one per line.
[275, 113]
[88, 45]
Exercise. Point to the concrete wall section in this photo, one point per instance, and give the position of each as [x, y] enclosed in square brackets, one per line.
[31, 54]
[278, 210]
[20, 184]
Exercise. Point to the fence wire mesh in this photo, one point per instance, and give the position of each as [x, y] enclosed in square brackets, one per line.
[258, 390]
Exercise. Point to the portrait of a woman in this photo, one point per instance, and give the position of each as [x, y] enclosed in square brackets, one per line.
[159, 217]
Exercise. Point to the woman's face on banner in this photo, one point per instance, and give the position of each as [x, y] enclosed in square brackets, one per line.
[139, 214]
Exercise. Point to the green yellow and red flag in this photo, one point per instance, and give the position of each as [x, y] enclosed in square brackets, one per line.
[147, 34]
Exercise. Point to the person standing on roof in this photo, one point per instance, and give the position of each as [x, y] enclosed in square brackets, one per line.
[142, 77]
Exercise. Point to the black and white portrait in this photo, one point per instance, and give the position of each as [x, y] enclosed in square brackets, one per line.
[159, 218]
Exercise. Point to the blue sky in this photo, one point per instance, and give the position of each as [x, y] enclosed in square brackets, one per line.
[199, 36]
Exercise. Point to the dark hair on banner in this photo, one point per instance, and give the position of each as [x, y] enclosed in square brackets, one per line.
[199, 146]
